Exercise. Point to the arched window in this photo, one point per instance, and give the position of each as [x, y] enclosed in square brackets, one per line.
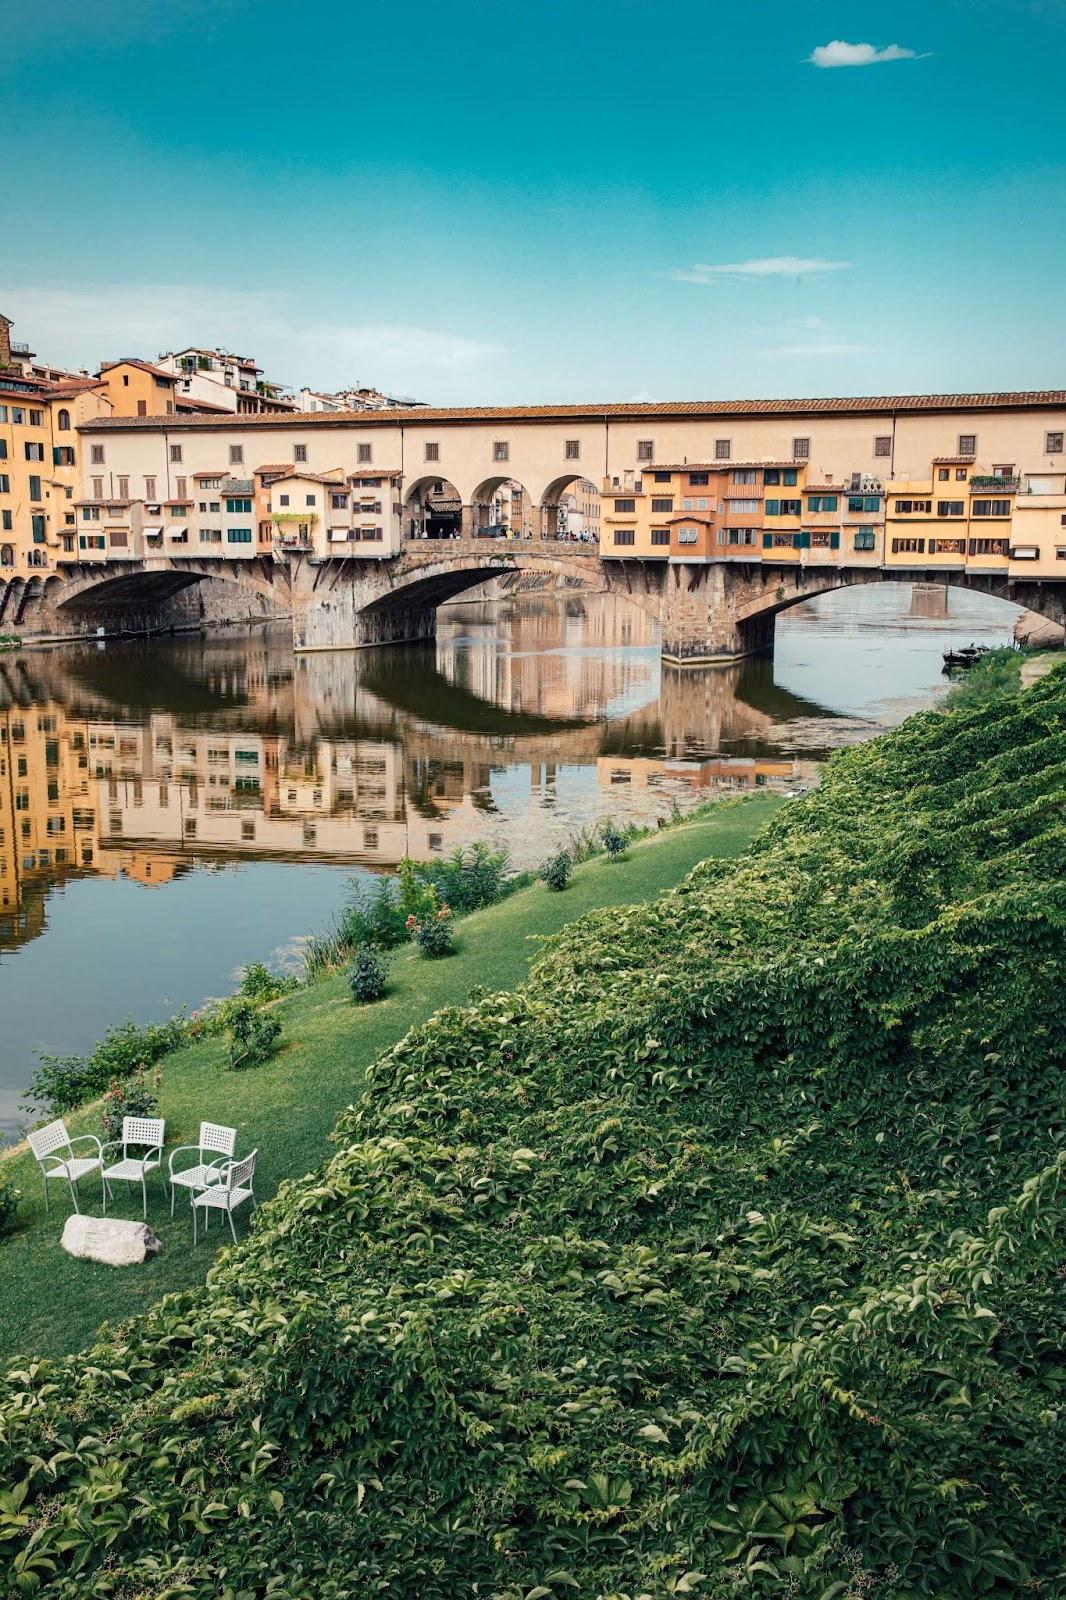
[37, 558]
[7, 555]
[63, 421]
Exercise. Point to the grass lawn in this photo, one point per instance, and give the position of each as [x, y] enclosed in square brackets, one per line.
[51, 1303]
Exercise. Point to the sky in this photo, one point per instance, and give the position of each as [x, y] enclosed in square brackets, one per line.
[483, 202]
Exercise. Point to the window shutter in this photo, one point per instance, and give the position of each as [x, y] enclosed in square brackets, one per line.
[773, 508]
[973, 547]
[800, 541]
[921, 547]
[767, 541]
[834, 541]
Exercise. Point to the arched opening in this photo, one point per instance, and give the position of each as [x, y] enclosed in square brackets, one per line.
[63, 421]
[571, 511]
[36, 558]
[7, 555]
[433, 509]
[502, 508]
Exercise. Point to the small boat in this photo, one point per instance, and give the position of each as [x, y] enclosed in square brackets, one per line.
[965, 657]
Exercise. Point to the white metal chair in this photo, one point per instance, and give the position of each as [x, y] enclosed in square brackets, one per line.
[214, 1140]
[48, 1145]
[144, 1133]
[233, 1188]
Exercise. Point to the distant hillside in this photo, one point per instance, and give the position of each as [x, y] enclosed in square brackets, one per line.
[720, 1259]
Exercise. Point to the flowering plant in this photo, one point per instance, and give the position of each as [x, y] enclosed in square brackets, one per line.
[133, 1097]
[433, 931]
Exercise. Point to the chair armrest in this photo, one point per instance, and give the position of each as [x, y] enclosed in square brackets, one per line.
[83, 1138]
[181, 1150]
[111, 1144]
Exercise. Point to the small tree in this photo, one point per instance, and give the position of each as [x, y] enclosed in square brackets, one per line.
[433, 932]
[133, 1097]
[556, 871]
[250, 1034]
[368, 975]
[613, 842]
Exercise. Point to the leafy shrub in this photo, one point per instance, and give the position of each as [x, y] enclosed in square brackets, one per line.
[260, 985]
[250, 1034]
[466, 880]
[992, 676]
[135, 1097]
[433, 932]
[556, 871]
[368, 974]
[723, 1257]
[61, 1083]
[613, 842]
[9, 1199]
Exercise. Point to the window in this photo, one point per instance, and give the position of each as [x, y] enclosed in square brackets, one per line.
[36, 419]
[698, 480]
[686, 535]
[988, 547]
[772, 475]
[149, 488]
[432, 452]
[3, 446]
[241, 506]
[883, 444]
[5, 483]
[823, 502]
[967, 444]
[96, 455]
[1053, 444]
[960, 474]
[98, 488]
[299, 452]
[6, 524]
[950, 508]
[660, 536]
[737, 536]
[90, 513]
[659, 504]
[911, 547]
[175, 453]
[783, 508]
[723, 449]
[742, 508]
[37, 525]
[624, 536]
[338, 502]
[179, 488]
[142, 408]
[572, 450]
[662, 477]
[283, 499]
[625, 505]
[906, 508]
[694, 505]
[238, 536]
[942, 474]
[63, 422]
[210, 535]
[990, 508]
[864, 502]
[214, 505]
[35, 487]
[18, 414]
[645, 449]
[501, 450]
[123, 488]
[34, 452]
[947, 547]
[745, 475]
[236, 455]
[801, 449]
[310, 499]
[364, 453]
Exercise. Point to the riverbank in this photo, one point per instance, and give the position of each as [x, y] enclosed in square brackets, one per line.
[51, 1304]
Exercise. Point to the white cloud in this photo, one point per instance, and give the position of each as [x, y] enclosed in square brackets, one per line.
[839, 54]
[82, 326]
[760, 267]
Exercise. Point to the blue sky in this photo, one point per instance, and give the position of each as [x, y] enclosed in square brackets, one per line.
[477, 201]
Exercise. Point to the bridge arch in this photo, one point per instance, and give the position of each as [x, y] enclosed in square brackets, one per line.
[432, 509]
[559, 499]
[502, 507]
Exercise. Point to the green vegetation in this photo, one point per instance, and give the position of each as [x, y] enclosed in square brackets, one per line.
[50, 1304]
[719, 1258]
[136, 1097]
[63, 1082]
[993, 675]
[368, 974]
[557, 871]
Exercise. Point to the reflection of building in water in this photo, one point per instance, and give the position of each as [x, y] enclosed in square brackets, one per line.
[929, 600]
[726, 772]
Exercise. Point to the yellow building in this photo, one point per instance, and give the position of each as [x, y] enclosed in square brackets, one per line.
[137, 389]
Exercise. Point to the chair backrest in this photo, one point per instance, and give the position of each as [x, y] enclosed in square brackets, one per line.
[45, 1141]
[143, 1130]
[213, 1136]
[242, 1172]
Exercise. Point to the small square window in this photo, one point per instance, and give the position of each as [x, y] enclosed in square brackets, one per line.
[967, 444]
[801, 449]
[572, 450]
[97, 455]
[175, 452]
[1053, 444]
[723, 449]
[883, 444]
[645, 449]
[960, 474]
[299, 452]
[364, 453]
[501, 451]
[236, 455]
[943, 474]
[432, 452]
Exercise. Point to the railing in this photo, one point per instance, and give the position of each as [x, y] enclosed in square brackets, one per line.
[20, 349]
[996, 482]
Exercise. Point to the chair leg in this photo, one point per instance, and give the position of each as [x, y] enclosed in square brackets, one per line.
[47, 1206]
[173, 1195]
[103, 1189]
[194, 1222]
[74, 1194]
[144, 1197]
[232, 1229]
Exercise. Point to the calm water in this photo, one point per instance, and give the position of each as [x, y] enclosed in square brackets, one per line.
[172, 810]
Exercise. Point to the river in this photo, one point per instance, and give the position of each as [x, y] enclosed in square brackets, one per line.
[170, 810]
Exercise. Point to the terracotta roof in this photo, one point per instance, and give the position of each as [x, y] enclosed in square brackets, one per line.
[374, 472]
[184, 402]
[954, 461]
[142, 366]
[1034, 399]
[314, 477]
[70, 388]
[223, 472]
[274, 466]
[692, 516]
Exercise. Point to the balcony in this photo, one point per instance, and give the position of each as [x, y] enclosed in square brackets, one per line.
[238, 486]
[1011, 485]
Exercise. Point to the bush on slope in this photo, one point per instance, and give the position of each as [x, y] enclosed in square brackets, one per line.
[719, 1259]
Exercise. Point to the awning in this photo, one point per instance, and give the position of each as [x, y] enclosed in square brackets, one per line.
[1025, 552]
[338, 536]
[154, 531]
[177, 533]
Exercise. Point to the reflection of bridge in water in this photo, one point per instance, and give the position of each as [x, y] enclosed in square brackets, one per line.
[142, 761]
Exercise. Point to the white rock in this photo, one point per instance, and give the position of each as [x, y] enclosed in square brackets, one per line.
[111, 1240]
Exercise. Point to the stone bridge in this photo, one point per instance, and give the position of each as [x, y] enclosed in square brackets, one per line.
[707, 610]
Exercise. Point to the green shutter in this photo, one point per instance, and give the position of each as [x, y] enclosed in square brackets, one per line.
[834, 541]
[767, 541]
[773, 508]
[802, 541]
[789, 476]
